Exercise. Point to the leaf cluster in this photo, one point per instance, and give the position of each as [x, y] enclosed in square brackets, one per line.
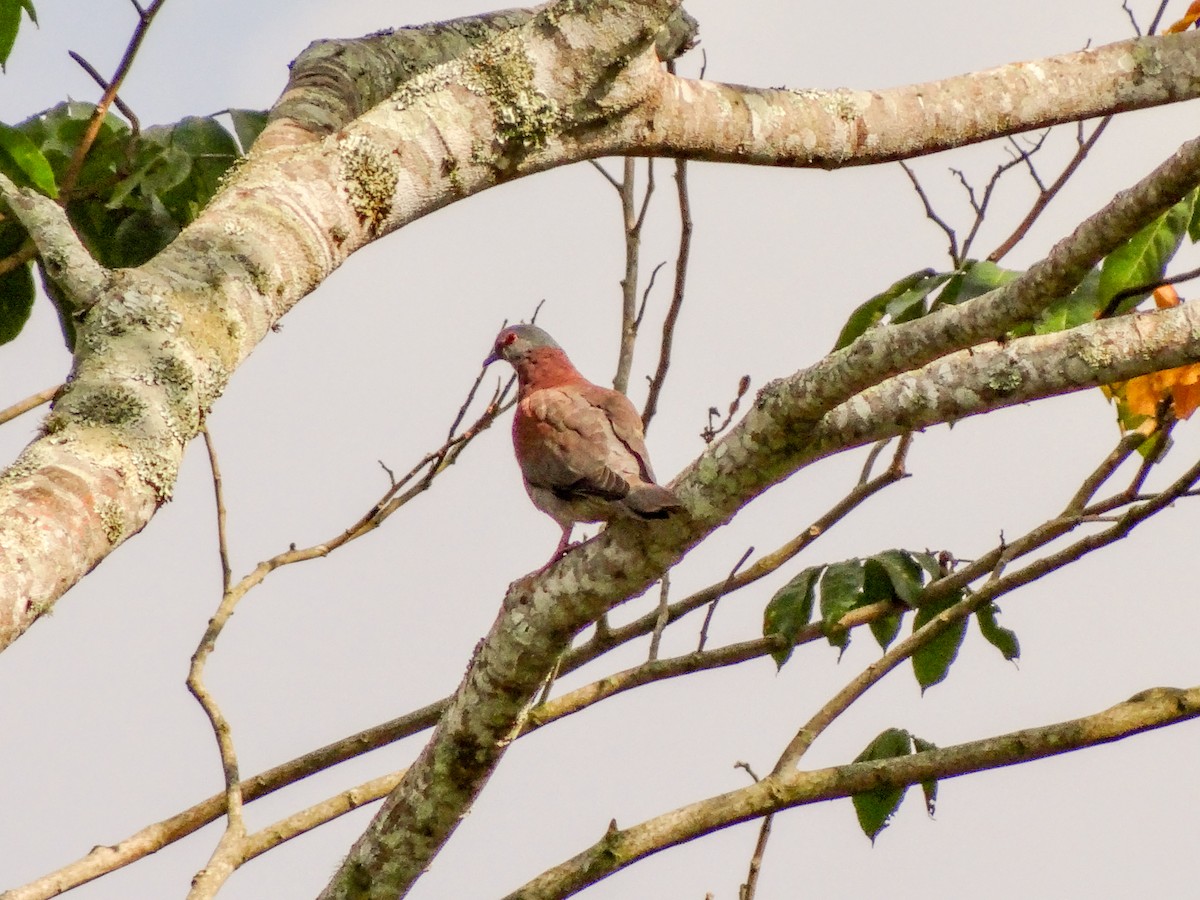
[131, 193]
[895, 577]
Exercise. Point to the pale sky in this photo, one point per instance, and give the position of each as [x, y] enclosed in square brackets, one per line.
[100, 737]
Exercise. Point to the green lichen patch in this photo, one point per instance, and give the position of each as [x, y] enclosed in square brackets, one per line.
[106, 406]
[523, 117]
[112, 519]
[370, 174]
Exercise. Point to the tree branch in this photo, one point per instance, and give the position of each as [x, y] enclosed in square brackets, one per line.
[833, 129]
[1150, 709]
[63, 256]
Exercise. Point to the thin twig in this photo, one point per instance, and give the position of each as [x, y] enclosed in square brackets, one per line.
[19, 257]
[135, 124]
[1023, 154]
[872, 458]
[1137, 29]
[681, 266]
[145, 18]
[1111, 307]
[712, 606]
[646, 293]
[1087, 490]
[1157, 20]
[608, 175]
[709, 433]
[931, 214]
[32, 402]
[664, 609]
[632, 224]
[218, 491]
[1047, 195]
[235, 829]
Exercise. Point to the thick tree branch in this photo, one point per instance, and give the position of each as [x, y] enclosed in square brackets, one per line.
[832, 129]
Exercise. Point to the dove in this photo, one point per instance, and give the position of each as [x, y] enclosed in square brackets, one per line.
[580, 446]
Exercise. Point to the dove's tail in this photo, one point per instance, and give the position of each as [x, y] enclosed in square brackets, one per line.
[651, 501]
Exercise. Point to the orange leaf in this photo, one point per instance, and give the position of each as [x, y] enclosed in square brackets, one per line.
[1143, 394]
[1188, 20]
[1186, 398]
[1165, 296]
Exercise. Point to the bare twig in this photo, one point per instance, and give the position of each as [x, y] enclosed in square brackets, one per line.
[710, 431]
[608, 175]
[664, 609]
[135, 124]
[712, 606]
[1023, 155]
[235, 829]
[31, 402]
[748, 889]
[1157, 20]
[633, 219]
[646, 293]
[1046, 195]
[1137, 29]
[1110, 308]
[18, 257]
[681, 267]
[931, 214]
[145, 18]
[218, 491]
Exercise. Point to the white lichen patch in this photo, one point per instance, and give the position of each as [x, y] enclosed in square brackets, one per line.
[121, 311]
[369, 177]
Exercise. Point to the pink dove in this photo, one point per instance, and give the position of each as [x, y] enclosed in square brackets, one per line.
[580, 446]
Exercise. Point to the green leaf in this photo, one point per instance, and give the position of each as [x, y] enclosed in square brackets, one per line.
[973, 279]
[995, 634]
[1144, 257]
[16, 287]
[928, 788]
[877, 806]
[16, 301]
[932, 661]
[1078, 307]
[141, 235]
[885, 628]
[59, 130]
[10, 23]
[904, 298]
[23, 162]
[841, 590]
[790, 611]
[159, 169]
[247, 125]
[904, 572]
[211, 149]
